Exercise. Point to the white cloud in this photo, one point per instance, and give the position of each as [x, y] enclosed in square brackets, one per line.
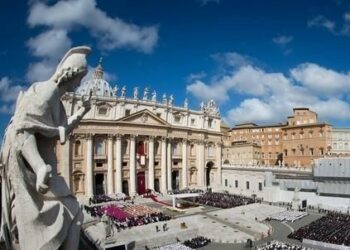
[347, 16]
[323, 22]
[270, 96]
[111, 33]
[196, 76]
[50, 44]
[321, 80]
[282, 40]
[8, 94]
[202, 91]
[232, 59]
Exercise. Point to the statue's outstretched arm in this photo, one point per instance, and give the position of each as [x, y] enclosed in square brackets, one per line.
[30, 153]
[74, 120]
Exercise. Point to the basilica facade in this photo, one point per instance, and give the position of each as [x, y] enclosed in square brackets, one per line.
[131, 144]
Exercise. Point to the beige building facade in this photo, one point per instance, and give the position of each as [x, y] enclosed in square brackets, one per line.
[131, 144]
[295, 143]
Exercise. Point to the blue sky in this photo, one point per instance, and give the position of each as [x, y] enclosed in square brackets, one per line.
[256, 59]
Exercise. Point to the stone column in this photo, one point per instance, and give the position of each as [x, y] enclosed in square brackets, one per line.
[118, 169]
[151, 163]
[110, 165]
[132, 172]
[89, 187]
[163, 166]
[184, 163]
[218, 164]
[200, 164]
[66, 166]
[169, 165]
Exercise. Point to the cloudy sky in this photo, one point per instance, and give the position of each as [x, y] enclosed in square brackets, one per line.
[256, 59]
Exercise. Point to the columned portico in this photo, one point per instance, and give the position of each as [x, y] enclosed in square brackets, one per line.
[163, 161]
[184, 163]
[151, 163]
[110, 165]
[218, 163]
[200, 163]
[169, 163]
[118, 162]
[132, 165]
[89, 166]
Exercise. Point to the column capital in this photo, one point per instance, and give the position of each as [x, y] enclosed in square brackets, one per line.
[219, 143]
[110, 137]
[118, 136]
[133, 137]
[163, 138]
[89, 136]
[185, 140]
[151, 138]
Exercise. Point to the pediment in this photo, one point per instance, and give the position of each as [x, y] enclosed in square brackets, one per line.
[144, 117]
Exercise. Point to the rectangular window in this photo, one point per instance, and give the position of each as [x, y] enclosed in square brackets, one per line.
[226, 182]
[127, 112]
[193, 121]
[260, 186]
[210, 123]
[236, 183]
[125, 163]
[247, 185]
[177, 119]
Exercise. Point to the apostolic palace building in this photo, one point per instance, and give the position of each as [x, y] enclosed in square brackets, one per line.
[130, 144]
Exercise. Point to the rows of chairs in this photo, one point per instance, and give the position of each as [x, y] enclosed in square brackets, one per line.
[289, 215]
[127, 216]
[277, 245]
[221, 200]
[333, 228]
[197, 242]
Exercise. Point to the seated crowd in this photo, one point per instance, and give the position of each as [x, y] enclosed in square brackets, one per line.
[333, 228]
[197, 242]
[102, 198]
[175, 246]
[128, 216]
[277, 245]
[186, 191]
[221, 200]
[289, 215]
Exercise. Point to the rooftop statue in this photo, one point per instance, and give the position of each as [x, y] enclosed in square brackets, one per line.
[38, 209]
[123, 92]
[145, 94]
[136, 92]
[154, 96]
[171, 100]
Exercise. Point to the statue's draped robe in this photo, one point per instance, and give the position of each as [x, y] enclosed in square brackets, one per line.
[41, 220]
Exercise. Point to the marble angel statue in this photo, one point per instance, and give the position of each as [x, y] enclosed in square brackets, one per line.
[38, 209]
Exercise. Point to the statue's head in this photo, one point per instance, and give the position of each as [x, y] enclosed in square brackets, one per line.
[72, 68]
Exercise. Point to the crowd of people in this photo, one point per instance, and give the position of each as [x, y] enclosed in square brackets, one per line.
[197, 242]
[289, 215]
[277, 245]
[102, 198]
[175, 246]
[333, 228]
[186, 191]
[128, 216]
[221, 200]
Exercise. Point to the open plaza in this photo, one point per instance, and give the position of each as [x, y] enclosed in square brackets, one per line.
[162, 226]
